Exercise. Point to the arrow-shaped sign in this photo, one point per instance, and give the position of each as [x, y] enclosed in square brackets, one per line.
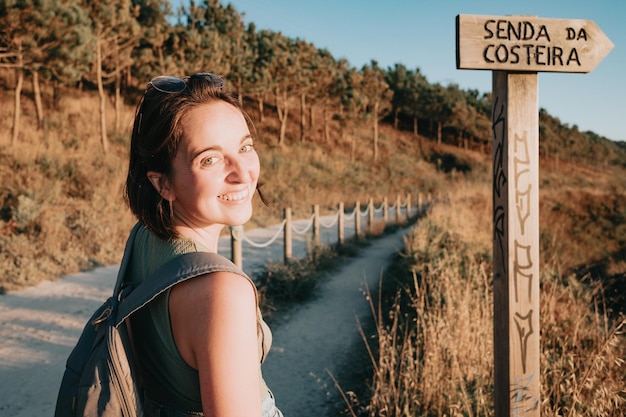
[526, 43]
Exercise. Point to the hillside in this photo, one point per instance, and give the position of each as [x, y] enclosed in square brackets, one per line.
[61, 208]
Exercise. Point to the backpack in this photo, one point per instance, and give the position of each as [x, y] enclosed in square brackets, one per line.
[101, 377]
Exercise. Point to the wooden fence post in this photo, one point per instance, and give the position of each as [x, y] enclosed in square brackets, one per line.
[370, 217]
[288, 253]
[408, 206]
[340, 225]
[357, 219]
[316, 226]
[398, 209]
[419, 204]
[385, 211]
[236, 235]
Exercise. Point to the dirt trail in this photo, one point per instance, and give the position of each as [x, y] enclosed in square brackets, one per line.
[40, 325]
[321, 334]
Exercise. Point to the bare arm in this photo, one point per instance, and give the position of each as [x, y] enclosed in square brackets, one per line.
[214, 326]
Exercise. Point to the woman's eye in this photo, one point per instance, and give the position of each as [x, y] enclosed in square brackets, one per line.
[211, 160]
[247, 148]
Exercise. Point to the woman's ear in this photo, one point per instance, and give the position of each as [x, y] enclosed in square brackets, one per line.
[159, 182]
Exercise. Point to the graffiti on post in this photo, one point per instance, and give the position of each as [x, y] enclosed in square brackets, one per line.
[525, 399]
[499, 178]
[522, 398]
[513, 209]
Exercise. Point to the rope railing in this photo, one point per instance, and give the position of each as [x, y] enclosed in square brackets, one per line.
[305, 234]
[351, 215]
[279, 231]
[307, 227]
[333, 222]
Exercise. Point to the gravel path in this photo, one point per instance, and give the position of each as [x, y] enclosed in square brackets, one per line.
[40, 325]
[320, 335]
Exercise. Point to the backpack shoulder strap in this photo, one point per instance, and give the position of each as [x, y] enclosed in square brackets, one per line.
[119, 283]
[177, 270]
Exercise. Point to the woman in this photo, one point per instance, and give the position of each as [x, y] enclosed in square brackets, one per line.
[193, 170]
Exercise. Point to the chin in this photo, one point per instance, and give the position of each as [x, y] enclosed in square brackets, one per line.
[240, 219]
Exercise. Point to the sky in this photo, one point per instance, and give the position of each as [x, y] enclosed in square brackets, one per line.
[421, 34]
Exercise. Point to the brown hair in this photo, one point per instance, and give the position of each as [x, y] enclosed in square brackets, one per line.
[157, 133]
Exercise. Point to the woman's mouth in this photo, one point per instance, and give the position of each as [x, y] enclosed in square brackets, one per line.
[236, 196]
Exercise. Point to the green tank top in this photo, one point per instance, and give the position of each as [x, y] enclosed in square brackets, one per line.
[167, 378]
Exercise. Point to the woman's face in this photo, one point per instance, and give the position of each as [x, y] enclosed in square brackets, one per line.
[216, 168]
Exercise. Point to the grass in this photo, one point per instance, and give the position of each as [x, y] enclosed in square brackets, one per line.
[432, 354]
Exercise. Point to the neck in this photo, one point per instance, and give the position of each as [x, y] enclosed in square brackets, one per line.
[207, 237]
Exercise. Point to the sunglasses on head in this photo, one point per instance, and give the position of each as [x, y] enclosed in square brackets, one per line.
[170, 84]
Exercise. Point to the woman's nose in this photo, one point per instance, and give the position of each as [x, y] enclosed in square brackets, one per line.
[239, 170]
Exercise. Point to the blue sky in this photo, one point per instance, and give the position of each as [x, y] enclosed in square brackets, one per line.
[421, 34]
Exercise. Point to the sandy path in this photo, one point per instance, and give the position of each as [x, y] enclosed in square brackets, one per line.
[40, 325]
[320, 335]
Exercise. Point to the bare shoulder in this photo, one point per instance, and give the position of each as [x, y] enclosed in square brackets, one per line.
[214, 287]
[220, 306]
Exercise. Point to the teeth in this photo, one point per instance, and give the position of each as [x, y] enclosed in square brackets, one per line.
[234, 196]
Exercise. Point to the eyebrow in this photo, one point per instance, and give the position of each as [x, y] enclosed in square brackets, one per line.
[219, 148]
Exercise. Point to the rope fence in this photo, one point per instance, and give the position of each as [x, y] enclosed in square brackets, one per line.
[258, 247]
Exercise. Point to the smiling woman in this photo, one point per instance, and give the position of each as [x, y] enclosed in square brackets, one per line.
[193, 170]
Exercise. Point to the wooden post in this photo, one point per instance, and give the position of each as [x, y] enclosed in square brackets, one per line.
[288, 245]
[370, 217]
[341, 237]
[316, 226]
[515, 48]
[385, 211]
[236, 236]
[408, 206]
[515, 153]
[398, 209]
[419, 204]
[357, 219]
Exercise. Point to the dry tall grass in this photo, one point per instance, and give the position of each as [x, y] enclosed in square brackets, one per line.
[61, 206]
[435, 353]
[61, 196]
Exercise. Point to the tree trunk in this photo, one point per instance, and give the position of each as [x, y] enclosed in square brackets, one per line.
[103, 125]
[118, 84]
[282, 109]
[302, 117]
[415, 127]
[439, 139]
[18, 98]
[326, 124]
[376, 107]
[118, 101]
[161, 59]
[312, 118]
[18, 95]
[395, 118]
[353, 144]
[260, 100]
[38, 105]
[240, 90]
[55, 94]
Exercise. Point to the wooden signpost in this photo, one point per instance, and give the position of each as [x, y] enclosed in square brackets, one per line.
[515, 48]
